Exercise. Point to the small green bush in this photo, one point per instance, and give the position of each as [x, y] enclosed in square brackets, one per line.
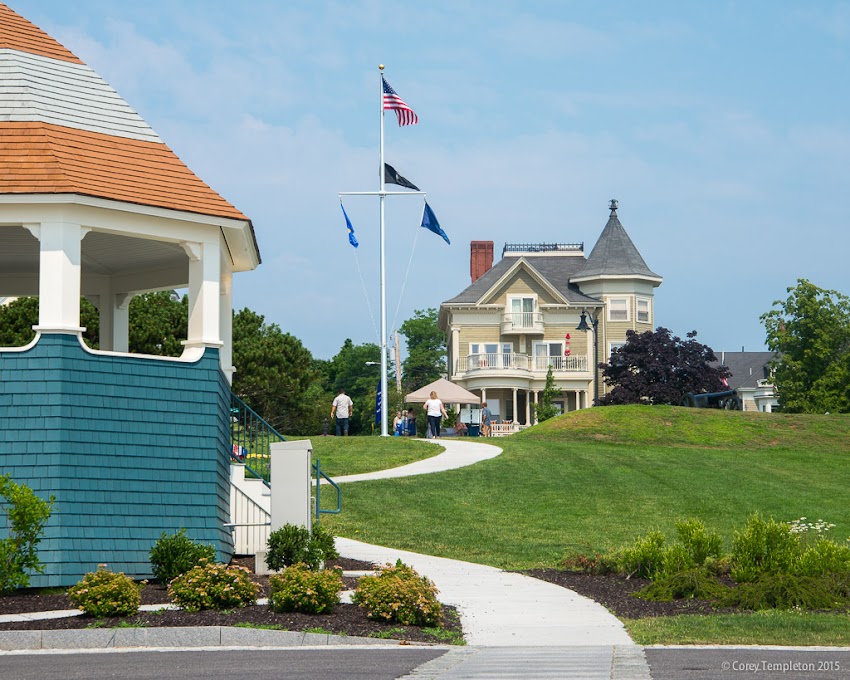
[176, 554]
[698, 542]
[692, 583]
[295, 544]
[213, 586]
[824, 557]
[645, 557]
[398, 593]
[784, 591]
[104, 593]
[26, 516]
[763, 547]
[301, 589]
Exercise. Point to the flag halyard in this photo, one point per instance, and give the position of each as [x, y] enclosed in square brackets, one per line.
[392, 102]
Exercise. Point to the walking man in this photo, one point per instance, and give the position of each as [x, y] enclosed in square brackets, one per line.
[342, 409]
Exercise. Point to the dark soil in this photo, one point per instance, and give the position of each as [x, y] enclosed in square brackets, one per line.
[615, 592]
[346, 619]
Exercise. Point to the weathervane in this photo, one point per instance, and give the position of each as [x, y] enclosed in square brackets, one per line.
[612, 204]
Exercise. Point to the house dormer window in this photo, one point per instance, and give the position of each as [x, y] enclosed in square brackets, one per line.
[521, 310]
[618, 309]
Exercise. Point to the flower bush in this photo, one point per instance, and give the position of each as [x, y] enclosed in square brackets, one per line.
[213, 586]
[301, 589]
[399, 593]
[176, 554]
[104, 593]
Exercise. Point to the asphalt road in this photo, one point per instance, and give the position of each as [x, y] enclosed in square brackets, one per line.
[260, 664]
[759, 664]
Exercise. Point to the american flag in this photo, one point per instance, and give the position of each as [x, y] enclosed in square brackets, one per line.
[395, 103]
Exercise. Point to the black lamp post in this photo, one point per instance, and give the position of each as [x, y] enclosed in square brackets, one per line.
[584, 326]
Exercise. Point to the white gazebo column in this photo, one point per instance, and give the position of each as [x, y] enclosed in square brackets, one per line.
[204, 298]
[225, 314]
[59, 275]
[114, 315]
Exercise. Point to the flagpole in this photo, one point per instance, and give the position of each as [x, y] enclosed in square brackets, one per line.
[384, 399]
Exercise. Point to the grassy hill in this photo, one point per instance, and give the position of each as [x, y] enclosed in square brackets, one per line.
[596, 478]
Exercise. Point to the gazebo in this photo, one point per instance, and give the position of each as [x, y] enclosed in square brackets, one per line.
[94, 204]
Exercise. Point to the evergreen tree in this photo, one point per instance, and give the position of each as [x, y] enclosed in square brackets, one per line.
[545, 409]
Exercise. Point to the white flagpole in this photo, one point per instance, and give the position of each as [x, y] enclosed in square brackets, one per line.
[384, 395]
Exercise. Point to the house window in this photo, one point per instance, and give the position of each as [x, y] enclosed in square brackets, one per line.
[490, 354]
[522, 311]
[614, 345]
[548, 354]
[643, 310]
[618, 309]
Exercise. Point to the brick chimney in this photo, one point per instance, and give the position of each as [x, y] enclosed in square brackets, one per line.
[480, 258]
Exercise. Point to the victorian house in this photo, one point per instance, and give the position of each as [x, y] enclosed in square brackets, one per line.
[542, 306]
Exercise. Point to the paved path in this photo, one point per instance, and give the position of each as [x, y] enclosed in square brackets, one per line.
[457, 454]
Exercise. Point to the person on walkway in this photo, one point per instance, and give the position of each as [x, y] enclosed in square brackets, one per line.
[486, 417]
[436, 412]
[342, 409]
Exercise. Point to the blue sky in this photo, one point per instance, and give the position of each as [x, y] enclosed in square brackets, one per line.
[721, 127]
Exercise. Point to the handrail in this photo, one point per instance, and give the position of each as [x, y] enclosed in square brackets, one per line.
[251, 438]
[317, 468]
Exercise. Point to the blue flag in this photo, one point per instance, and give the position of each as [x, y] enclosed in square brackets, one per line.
[378, 405]
[351, 239]
[429, 221]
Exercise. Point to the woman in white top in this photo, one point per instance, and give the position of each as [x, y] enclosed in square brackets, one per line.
[435, 411]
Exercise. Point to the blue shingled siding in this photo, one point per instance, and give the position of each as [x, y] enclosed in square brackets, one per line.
[130, 447]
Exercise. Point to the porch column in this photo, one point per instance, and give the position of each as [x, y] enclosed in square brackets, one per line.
[453, 356]
[528, 407]
[204, 298]
[536, 404]
[226, 320]
[515, 414]
[59, 275]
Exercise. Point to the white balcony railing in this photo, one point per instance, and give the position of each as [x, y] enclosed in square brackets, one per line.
[522, 322]
[509, 361]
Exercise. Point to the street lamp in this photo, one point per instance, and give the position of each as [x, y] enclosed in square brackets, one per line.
[584, 326]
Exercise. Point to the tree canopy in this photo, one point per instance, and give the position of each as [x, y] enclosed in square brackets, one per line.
[660, 368]
[810, 332]
[426, 349]
[20, 315]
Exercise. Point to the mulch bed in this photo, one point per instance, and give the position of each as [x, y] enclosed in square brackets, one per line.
[346, 619]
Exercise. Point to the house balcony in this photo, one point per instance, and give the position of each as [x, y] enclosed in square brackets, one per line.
[522, 323]
[503, 362]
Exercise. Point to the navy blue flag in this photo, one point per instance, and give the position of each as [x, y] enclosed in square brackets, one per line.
[351, 239]
[429, 221]
[378, 405]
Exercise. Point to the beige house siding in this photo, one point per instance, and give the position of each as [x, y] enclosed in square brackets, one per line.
[521, 283]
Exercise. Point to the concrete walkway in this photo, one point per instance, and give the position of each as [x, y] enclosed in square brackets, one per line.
[458, 453]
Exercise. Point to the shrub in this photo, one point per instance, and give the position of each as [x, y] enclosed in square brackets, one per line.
[698, 542]
[213, 586]
[784, 591]
[295, 544]
[691, 583]
[763, 547]
[399, 594]
[26, 516]
[300, 589]
[176, 554]
[824, 557]
[104, 593]
[645, 557]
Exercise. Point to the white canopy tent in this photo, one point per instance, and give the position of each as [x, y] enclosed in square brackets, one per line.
[447, 392]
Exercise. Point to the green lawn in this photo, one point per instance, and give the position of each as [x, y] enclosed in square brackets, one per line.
[599, 477]
[758, 628]
[354, 455]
